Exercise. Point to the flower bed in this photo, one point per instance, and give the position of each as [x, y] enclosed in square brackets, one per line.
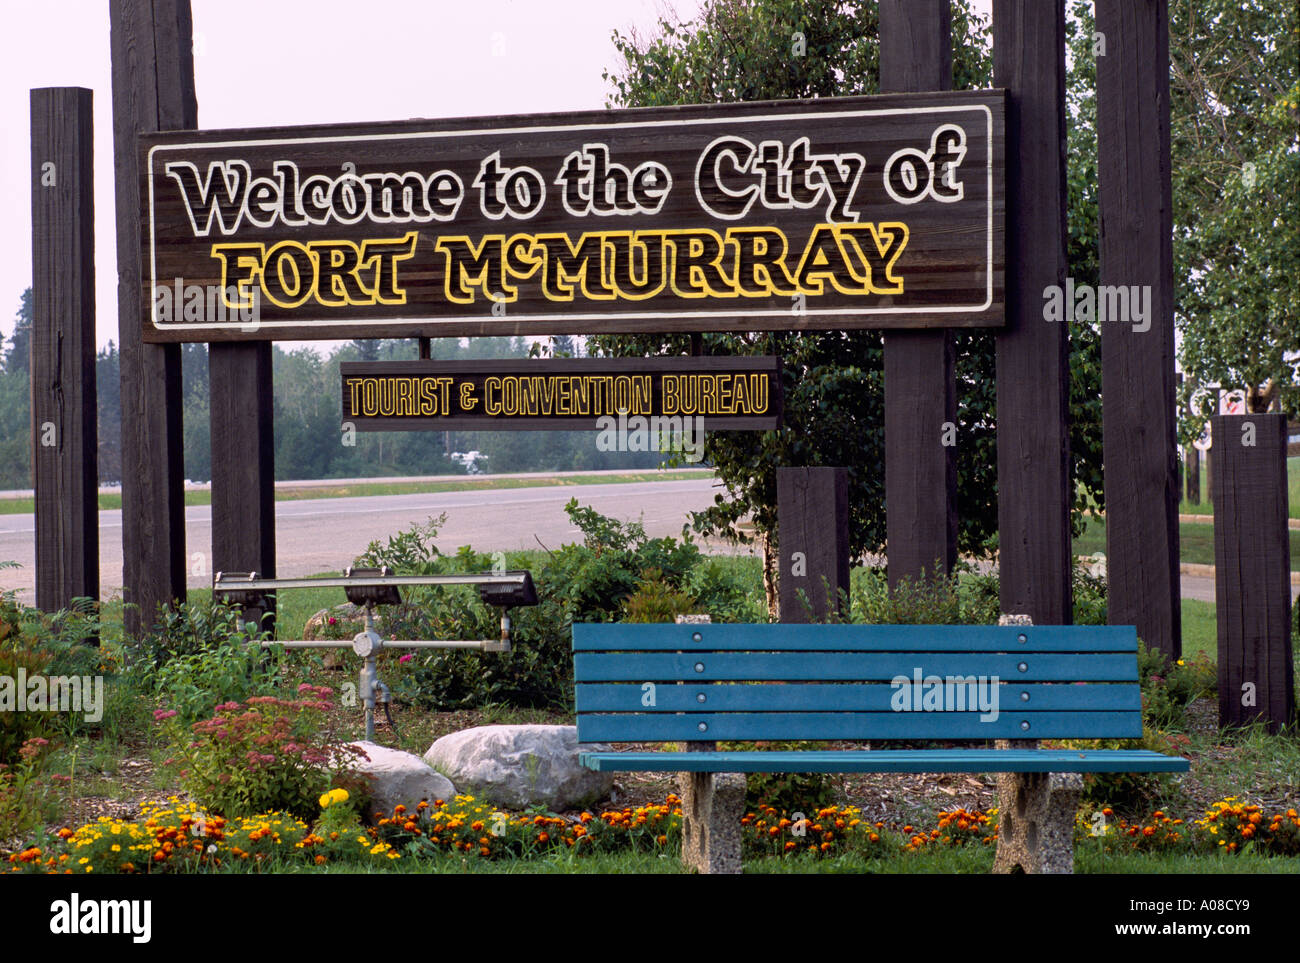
[182, 837]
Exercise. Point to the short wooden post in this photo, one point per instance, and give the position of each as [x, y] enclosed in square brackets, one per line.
[813, 541]
[64, 429]
[1252, 570]
[1193, 475]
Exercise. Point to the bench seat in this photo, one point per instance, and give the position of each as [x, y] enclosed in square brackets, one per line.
[1011, 685]
[889, 760]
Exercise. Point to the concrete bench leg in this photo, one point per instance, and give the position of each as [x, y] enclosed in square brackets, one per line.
[1036, 813]
[712, 807]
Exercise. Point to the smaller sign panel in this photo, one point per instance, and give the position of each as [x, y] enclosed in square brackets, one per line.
[562, 394]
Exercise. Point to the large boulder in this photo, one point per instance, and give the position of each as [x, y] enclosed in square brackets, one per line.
[520, 766]
[400, 777]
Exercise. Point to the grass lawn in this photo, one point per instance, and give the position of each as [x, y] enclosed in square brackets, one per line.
[107, 502]
[1205, 508]
[1195, 542]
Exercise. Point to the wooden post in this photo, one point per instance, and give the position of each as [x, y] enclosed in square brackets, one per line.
[153, 89]
[1193, 473]
[1140, 443]
[243, 462]
[1032, 369]
[1252, 570]
[65, 433]
[920, 384]
[812, 506]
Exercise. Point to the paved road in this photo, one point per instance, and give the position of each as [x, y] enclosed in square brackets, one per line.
[317, 535]
[326, 534]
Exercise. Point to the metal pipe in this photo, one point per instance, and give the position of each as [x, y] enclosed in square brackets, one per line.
[388, 644]
[272, 584]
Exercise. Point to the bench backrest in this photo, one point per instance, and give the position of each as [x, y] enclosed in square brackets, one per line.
[677, 683]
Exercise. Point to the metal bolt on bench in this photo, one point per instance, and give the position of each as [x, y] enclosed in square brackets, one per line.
[370, 587]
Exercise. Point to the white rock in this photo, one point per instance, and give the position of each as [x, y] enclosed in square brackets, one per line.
[521, 766]
[400, 778]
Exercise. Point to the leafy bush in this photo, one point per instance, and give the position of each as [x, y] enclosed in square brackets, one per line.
[270, 754]
[590, 581]
[47, 644]
[1167, 689]
[654, 600]
[23, 791]
[956, 599]
[230, 671]
[788, 792]
[190, 629]
[1089, 592]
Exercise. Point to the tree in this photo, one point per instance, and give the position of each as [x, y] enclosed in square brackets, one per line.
[16, 402]
[833, 381]
[108, 390]
[1235, 133]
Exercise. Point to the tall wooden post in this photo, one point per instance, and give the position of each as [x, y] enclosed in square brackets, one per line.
[1140, 444]
[812, 506]
[64, 429]
[241, 415]
[1252, 570]
[153, 89]
[920, 384]
[1032, 353]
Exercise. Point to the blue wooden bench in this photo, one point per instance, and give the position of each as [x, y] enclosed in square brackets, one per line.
[700, 684]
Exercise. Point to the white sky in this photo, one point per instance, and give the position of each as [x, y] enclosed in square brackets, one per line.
[329, 62]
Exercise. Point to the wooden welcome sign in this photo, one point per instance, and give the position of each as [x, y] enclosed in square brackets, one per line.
[866, 212]
[715, 393]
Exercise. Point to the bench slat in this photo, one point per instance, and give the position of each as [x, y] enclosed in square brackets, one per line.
[597, 637]
[809, 697]
[746, 726]
[894, 760]
[849, 666]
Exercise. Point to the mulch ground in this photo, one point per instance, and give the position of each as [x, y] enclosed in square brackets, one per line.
[895, 797]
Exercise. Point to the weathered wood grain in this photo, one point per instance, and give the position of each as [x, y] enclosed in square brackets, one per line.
[1139, 424]
[64, 428]
[1032, 370]
[813, 539]
[1252, 570]
[150, 44]
[920, 393]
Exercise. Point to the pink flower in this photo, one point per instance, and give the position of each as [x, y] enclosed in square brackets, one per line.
[160, 714]
[406, 658]
[333, 621]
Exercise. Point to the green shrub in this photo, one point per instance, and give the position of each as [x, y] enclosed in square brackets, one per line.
[48, 644]
[231, 670]
[1168, 688]
[804, 792]
[654, 600]
[1089, 593]
[265, 754]
[590, 581]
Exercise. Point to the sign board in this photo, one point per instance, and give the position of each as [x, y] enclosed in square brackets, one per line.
[564, 393]
[863, 212]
